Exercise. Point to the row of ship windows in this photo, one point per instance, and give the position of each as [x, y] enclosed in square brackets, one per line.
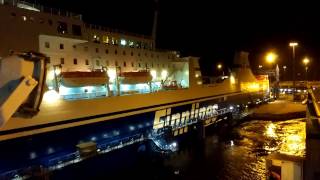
[61, 46]
[98, 63]
[62, 28]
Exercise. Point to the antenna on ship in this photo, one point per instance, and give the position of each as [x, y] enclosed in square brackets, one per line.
[155, 22]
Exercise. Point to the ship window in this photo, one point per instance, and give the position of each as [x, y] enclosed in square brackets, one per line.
[97, 62]
[86, 48]
[138, 54]
[124, 52]
[115, 52]
[139, 65]
[105, 39]
[50, 22]
[61, 46]
[131, 44]
[74, 46]
[24, 18]
[61, 60]
[87, 62]
[47, 44]
[132, 64]
[97, 50]
[76, 30]
[62, 27]
[75, 61]
[146, 65]
[48, 60]
[107, 63]
[96, 39]
[116, 63]
[13, 14]
[107, 51]
[124, 64]
[152, 65]
[123, 42]
[131, 53]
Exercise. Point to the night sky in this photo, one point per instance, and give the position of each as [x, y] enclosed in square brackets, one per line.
[215, 30]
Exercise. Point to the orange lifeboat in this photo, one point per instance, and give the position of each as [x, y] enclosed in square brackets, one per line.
[82, 78]
[135, 77]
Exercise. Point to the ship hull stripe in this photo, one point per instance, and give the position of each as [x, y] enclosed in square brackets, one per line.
[11, 131]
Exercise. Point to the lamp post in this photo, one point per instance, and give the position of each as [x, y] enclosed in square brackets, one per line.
[306, 61]
[284, 71]
[271, 58]
[293, 45]
[219, 67]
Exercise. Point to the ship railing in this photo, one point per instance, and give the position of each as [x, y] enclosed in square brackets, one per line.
[41, 8]
[116, 31]
[72, 158]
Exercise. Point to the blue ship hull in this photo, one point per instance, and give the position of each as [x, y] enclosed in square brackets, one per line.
[50, 149]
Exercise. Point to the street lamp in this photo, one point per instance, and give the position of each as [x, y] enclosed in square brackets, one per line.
[271, 58]
[306, 61]
[284, 71]
[219, 67]
[293, 45]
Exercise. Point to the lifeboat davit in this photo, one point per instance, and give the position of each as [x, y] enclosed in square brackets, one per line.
[135, 77]
[83, 78]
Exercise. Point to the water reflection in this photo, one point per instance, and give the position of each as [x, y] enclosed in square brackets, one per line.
[238, 153]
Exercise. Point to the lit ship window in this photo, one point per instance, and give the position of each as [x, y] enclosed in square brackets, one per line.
[123, 42]
[24, 18]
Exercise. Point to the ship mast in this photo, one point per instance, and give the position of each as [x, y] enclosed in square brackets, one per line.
[155, 22]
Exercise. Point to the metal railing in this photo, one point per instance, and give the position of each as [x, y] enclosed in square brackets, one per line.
[41, 8]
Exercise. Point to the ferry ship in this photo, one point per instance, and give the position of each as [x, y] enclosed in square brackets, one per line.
[66, 84]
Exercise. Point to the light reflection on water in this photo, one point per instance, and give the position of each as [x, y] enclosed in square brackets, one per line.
[246, 158]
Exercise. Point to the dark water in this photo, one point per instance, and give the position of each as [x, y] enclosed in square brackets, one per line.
[237, 153]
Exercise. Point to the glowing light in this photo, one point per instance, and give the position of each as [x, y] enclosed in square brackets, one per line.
[292, 44]
[232, 143]
[57, 72]
[51, 96]
[124, 87]
[271, 57]
[132, 128]
[112, 74]
[33, 155]
[219, 66]
[50, 75]
[123, 42]
[270, 132]
[232, 79]
[93, 138]
[153, 74]
[174, 144]
[305, 61]
[164, 74]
